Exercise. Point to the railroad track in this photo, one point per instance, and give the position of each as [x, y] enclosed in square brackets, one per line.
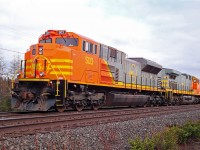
[32, 123]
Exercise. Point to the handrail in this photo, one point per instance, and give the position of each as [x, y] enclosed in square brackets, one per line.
[55, 74]
[50, 65]
[49, 62]
[65, 81]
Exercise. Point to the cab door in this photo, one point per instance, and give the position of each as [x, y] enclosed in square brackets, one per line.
[85, 64]
[78, 66]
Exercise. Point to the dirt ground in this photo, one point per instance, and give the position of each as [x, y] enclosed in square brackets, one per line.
[191, 145]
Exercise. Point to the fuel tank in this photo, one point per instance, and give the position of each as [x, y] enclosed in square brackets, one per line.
[125, 99]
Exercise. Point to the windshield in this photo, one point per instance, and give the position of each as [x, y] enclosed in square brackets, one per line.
[67, 41]
[46, 41]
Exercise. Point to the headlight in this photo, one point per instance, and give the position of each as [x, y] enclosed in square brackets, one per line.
[40, 50]
[41, 74]
[18, 75]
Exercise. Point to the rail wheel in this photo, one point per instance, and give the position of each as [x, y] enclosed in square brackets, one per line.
[95, 106]
[60, 108]
[79, 106]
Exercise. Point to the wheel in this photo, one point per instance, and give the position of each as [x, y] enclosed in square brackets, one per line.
[60, 108]
[145, 105]
[95, 106]
[79, 107]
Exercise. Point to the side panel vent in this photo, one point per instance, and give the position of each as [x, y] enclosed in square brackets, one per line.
[159, 83]
[117, 74]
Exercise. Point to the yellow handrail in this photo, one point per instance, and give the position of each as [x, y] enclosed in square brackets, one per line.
[65, 81]
[49, 62]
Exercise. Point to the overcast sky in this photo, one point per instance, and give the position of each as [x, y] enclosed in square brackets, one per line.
[165, 31]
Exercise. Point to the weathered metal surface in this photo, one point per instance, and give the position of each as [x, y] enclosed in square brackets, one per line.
[39, 105]
[117, 99]
[188, 100]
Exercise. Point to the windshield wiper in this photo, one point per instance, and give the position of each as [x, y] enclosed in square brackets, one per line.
[75, 39]
[64, 40]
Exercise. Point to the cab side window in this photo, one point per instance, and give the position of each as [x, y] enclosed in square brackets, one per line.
[85, 46]
[95, 49]
[89, 47]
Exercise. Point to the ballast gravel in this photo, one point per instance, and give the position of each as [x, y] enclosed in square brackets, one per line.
[111, 136]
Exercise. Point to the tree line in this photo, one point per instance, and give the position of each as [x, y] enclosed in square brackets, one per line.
[8, 71]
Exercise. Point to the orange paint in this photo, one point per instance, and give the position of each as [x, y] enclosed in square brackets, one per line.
[72, 63]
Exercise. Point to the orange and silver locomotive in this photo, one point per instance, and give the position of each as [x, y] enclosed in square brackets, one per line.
[65, 70]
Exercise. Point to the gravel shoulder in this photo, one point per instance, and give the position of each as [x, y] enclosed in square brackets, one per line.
[113, 136]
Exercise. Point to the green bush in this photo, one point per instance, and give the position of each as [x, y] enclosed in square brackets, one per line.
[169, 138]
[149, 144]
[5, 104]
[166, 140]
[188, 131]
[137, 144]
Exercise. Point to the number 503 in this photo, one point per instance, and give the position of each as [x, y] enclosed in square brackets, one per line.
[89, 60]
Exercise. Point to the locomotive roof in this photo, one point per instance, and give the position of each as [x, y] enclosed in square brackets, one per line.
[83, 37]
[133, 61]
[172, 72]
[148, 65]
[187, 75]
[64, 33]
[94, 41]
